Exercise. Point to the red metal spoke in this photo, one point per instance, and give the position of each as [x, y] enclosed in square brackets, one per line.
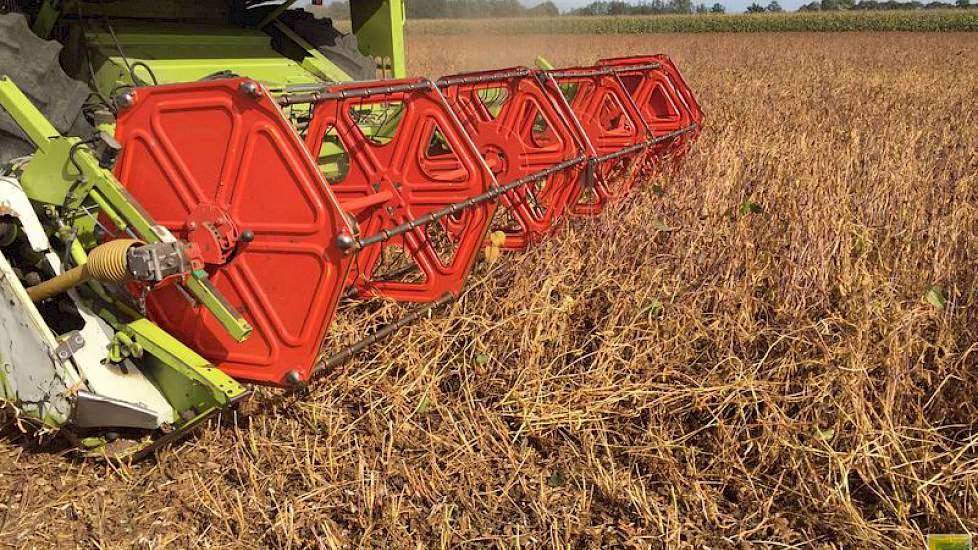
[409, 184]
[506, 142]
[665, 101]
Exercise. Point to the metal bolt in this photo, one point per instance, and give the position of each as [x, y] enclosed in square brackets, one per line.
[126, 100]
[293, 377]
[251, 89]
[345, 242]
[247, 236]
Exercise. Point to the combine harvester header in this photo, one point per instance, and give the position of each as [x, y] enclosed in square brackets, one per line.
[234, 193]
[430, 168]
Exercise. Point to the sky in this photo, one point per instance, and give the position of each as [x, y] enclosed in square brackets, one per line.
[731, 5]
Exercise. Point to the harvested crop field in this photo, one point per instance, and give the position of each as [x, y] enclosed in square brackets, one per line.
[775, 345]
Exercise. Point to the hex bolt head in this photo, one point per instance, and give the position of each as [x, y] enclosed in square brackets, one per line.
[251, 89]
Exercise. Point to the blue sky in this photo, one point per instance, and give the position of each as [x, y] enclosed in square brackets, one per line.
[731, 5]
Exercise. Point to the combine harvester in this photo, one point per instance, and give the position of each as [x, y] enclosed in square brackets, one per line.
[189, 188]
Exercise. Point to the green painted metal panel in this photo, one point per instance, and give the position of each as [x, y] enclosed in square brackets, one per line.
[379, 26]
[186, 53]
[48, 178]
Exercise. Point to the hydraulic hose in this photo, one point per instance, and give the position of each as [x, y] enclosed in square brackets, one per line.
[107, 263]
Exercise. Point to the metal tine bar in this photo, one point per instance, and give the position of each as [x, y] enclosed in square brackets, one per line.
[318, 94]
[345, 354]
[645, 144]
[320, 97]
[458, 207]
[580, 73]
[452, 81]
[599, 71]
[637, 67]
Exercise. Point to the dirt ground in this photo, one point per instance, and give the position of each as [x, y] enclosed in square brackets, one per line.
[773, 346]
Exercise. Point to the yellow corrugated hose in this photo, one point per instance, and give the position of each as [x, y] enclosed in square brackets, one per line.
[107, 263]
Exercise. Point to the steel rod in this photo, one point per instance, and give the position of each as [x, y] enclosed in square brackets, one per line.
[586, 73]
[645, 144]
[446, 82]
[348, 352]
[320, 96]
[458, 207]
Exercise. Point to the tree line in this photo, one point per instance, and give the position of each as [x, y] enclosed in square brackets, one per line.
[455, 9]
[873, 5]
[464, 9]
[654, 7]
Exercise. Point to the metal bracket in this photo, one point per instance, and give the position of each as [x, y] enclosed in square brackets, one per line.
[157, 261]
[69, 346]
